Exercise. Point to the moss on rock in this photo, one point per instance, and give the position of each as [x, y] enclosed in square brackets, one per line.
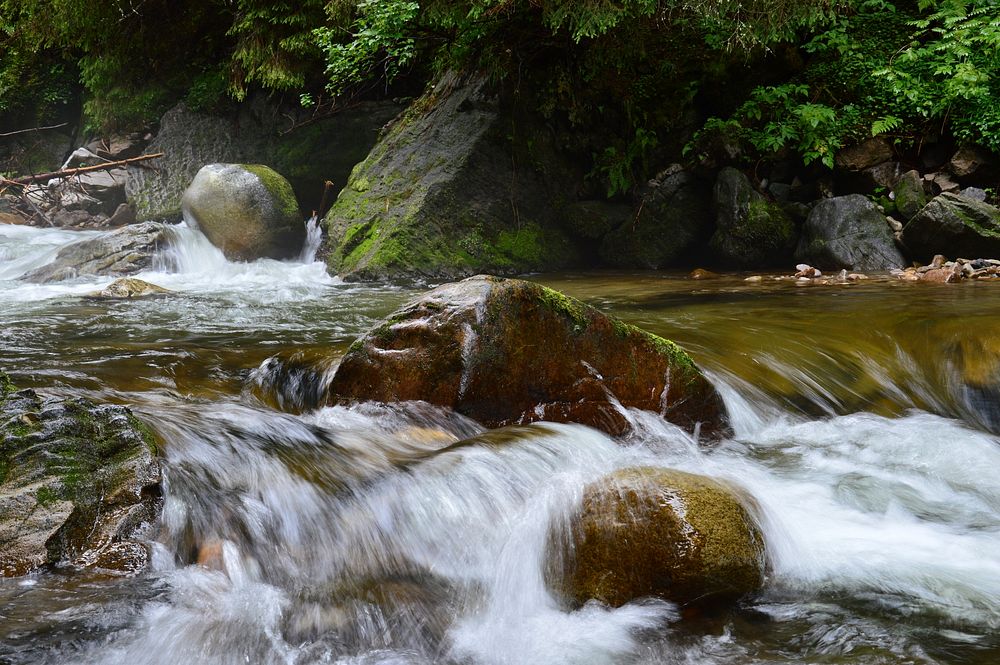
[659, 532]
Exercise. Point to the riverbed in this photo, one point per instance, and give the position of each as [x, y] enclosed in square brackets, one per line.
[865, 422]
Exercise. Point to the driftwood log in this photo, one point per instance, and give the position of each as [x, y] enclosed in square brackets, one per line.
[69, 173]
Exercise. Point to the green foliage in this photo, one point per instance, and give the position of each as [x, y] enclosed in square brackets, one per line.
[617, 168]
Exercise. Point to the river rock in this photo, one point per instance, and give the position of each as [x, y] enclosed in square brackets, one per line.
[129, 287]
[750, 231]
[248, 211]
[848, 232]
[955, 226]
[909, 195]
[506, 351]
[675, 218]
[659, 532]
[308, 154]
[77, 482]
[124, 251]
[972, 164]
[441, 196]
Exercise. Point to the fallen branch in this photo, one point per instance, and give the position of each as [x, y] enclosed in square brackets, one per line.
[32, 129]
[69, 173]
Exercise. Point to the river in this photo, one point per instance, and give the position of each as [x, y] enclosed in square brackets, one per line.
[865, 422]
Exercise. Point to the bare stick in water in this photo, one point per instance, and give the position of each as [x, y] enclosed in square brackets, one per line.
[69, 173]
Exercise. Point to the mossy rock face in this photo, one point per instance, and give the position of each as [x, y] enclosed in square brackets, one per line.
[658, 532]
[507, 351]
[248, 211]
[77, 481]
[909, 195]
[751, 232]
[956, 227]
[440, 197]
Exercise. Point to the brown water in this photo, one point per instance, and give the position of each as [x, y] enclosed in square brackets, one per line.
[864, 416]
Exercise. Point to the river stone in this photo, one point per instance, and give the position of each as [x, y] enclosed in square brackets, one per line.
[129, 287]
[441, 196]
[659, 532]
[848, 232]
[864, 155]
[955, 226]
[307, 153]
[124, 251]
[506, 351]
[675, 218]
[248, 211]
[77, 481]
[751, 232]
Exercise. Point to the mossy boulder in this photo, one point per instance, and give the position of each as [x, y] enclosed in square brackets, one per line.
[909, 195]
[848, 232]
[659, 532]
[124, 251]
[675, 218]
[955, 226]
[248, 211]
[507, 351]
[442, 196]
[750, 231]
[77, 483]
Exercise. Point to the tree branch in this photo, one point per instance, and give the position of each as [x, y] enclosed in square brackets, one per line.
[69, 173]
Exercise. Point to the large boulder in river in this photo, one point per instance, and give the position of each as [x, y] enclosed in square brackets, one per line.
[674, 219]
[506, 351]
[125, 251]
[77, 483]
[751, 232]
[848, 232]
[659, 532]
[441, 196]
[248, 211]
[307, 151]
[956, 226]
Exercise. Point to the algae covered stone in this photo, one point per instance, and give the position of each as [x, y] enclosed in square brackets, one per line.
[507, 351]
[955, 226]
[249, 211]
[77, 483]
[650, 531]
[751, 231]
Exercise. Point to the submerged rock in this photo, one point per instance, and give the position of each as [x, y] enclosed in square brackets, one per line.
[77, 481]
[248, 211]
[659, 532]
[506, 351]
[125, 251]
[956, 226]
[751, 232]
[129, 287]
[848, 232]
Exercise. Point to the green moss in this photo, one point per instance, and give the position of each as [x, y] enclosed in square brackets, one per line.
[6, 386]
[46, 496]
[361, 184]
[571, 308]
[279, 188]
[524, 246]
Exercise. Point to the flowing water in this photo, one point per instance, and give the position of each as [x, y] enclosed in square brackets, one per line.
[865, 421]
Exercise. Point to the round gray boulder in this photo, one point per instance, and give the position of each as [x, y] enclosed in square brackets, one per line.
[248, 211]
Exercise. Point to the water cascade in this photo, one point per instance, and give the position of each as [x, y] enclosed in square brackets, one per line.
[296, 533]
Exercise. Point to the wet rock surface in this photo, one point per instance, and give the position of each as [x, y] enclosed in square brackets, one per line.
[750, 231]
[505, 351]
[248, 211]
[77, 483]
[129, 287]
[659, 532]
[125, 251]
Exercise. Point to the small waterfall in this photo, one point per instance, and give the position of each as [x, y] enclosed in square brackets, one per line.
[314, 236]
